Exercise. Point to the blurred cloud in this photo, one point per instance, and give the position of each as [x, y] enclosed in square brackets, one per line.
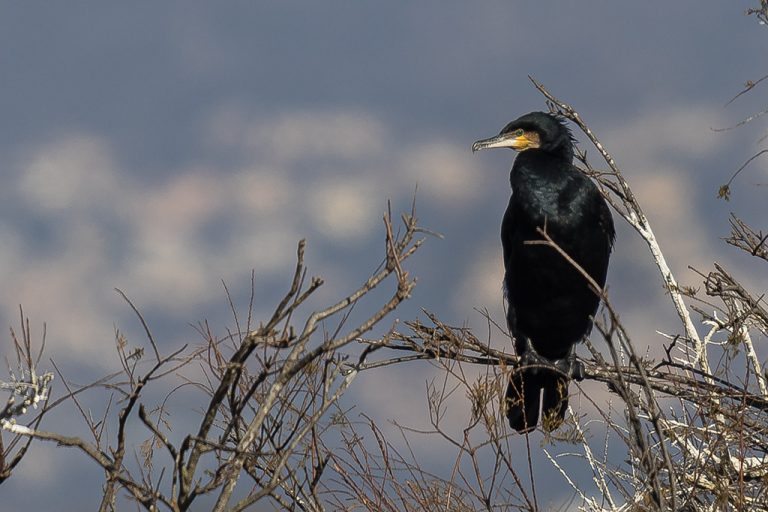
[340, 209]
[321, 134]
[76, 172]
[169, 241]
[65, 290]
[11, 250]
[42, 465]
[55, 271]
[664, 133]
[482, 281]
[443, 171]
[298, 135]
[259, 189]
[671, 208]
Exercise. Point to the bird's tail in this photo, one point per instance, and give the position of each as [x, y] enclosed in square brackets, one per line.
[524, 395]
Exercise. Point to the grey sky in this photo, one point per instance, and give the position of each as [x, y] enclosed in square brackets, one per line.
[160, 148]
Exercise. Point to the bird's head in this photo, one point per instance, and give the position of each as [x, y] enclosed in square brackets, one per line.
[537, 130]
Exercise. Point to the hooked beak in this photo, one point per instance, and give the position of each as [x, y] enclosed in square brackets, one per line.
[504, 140]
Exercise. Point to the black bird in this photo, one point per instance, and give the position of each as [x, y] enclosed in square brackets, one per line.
[550, 303]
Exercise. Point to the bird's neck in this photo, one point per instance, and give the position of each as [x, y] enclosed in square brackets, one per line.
[562, 152]
[540, 159]
[535, 165]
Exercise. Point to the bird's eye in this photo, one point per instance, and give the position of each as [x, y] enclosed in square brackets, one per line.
[519, 132]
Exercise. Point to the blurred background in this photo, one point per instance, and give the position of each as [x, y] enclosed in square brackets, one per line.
[165, 148]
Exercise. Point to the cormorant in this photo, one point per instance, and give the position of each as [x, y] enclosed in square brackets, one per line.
[550, 304]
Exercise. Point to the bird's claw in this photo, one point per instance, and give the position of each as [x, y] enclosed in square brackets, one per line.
[568, 366]
[531, 358]
[577, 370]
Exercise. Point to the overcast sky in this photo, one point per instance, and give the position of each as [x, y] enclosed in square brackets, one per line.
[164, 147]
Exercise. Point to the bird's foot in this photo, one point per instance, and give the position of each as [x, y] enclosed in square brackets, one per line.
[571, 366]
[532, 360]
[568, 365]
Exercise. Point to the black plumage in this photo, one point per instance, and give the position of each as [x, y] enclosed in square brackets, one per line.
[550, 303]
